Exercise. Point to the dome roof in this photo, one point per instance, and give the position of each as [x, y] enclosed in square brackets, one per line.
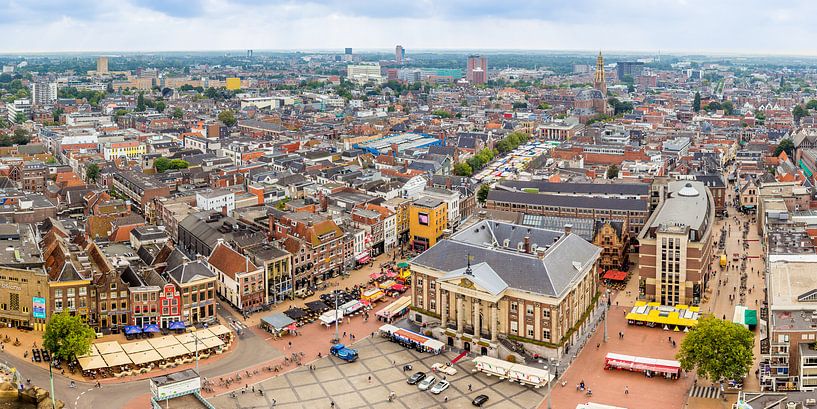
[688, 191]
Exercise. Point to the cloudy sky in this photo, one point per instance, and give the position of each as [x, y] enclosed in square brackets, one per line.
[728, 26]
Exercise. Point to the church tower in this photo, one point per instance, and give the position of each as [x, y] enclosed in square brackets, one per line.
[599, 82]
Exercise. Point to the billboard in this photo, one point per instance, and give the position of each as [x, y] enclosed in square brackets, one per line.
[423, 219]
[171, 390]
[38, 307]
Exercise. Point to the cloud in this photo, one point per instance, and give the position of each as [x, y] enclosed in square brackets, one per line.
[747, 26]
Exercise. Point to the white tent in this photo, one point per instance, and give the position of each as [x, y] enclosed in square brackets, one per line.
[329, 317]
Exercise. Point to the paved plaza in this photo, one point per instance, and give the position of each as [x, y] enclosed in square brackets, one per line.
[347, 384]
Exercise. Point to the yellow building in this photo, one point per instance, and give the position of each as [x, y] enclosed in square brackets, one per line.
[233, 83]
[428, 218]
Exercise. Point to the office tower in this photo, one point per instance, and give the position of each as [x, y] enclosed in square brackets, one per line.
[477, 71]
[399, 54]
[629, 68]
[102, 65]
[348, 51]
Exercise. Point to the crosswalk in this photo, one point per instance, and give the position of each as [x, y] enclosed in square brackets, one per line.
[708, 392]
[238, 325]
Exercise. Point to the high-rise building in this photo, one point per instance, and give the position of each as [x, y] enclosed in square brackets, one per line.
[348, 51]
[399, 54]
[599, 82]
[43, 92]
[21, 107]
[477, 71]
[628, 69]
[363, 73]
[102, 65]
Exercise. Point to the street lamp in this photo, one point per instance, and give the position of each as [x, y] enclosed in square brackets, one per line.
[548, 383]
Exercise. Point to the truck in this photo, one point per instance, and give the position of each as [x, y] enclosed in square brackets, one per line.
[724, 261]
[343, 352]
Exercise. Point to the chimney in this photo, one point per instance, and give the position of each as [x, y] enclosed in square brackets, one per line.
[482, 214]
[527, 244]
[568, 228]
[224, 210]
[448, 182]
[540, 252]
[394, 150]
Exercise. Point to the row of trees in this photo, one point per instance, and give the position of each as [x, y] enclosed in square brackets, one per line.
[511, 142]
[474, 163]
[18, 137]
[164, 164]
[93, 97]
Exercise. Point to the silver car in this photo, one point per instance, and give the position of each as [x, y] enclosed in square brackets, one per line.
[440, 386]
[426, 383]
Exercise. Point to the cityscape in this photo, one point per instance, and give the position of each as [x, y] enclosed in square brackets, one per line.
[236, 204]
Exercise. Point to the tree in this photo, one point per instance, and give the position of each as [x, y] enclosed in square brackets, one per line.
[696, 102]
[463, 169]
[520, 105]
[713, 106]
[717, 349]
[799, 112]
[441, 113]
[140, 102]
[482, 193]
[612, 171]
[728, 108]
[56, 114]
[21, 137]
[20, 118]
[812, 104]
[227, 117]
[178, 113]
[164, 164]
[92, 172]
[786, 145]
[544, 105]
[66, 336]
[160, 106]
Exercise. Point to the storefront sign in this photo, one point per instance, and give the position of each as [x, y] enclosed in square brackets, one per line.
[39, 307]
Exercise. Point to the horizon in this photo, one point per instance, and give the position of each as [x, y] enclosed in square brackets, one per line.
[732, 28]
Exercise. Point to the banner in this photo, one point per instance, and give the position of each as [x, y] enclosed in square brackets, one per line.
[39, 307]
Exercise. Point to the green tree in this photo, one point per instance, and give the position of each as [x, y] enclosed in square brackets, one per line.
[544, 105]
[798, 113]
[785, 145]
[441, 113]
[812, 104]
[66, 336]
[164, 164]
[713, 106]
[463, 169]
[482, 193]
[160, 106]
[696, 102]
[92, 173]
[178, 113]
[56, 114]
[728, 108]
[227, 117]
[21, 137]
[140, 102]
[612, 171]
[520, 105]
[717, 349]
[178, 164]
[20, 118]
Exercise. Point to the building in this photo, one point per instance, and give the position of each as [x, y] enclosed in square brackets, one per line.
[452, 201]
[43, 92]
[125, 149]
[599, 81]
[277, 265]
[791, 360]
[233, 83]
[102, 65]
[428, 220]
[139, 188]
[476, 71]
[19, 109]
[630, 69]
[614, 240]
[499, 280]
[363, 73]
[239, 281]
[219, 200]
[675, 253]
[634, 211]
[399, 54]
[23, 298]
[400, 207]
[196, 283]
[348, 51]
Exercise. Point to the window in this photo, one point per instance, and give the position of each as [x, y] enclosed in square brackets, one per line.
[113, 295]
[529, 309]
[545, 313]
[58, 293]
[103, 296]
[123, 294]
[83, 291]
[164, 302]
[103, 307]
[58, 304]
[530, 331]
[113, 286]
[14, 302]
[546, 335]
[514, 327]
[514, 307]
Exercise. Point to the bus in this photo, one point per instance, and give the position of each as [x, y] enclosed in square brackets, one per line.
[525, 375]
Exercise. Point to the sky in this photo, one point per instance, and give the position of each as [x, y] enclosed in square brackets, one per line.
[699, 26]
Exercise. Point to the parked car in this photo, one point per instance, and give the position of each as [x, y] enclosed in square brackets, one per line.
[417, 377]
[426, 383]
[480, 400]
[343, 352]
[440, 386]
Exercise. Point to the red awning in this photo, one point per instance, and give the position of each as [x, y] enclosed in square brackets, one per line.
[615, 275]
[398, 287]
[364, 259]
[292, 327]
[391, 274]
[375, 275]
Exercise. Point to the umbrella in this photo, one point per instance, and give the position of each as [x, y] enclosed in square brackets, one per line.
[151, 328]
[402, 264]
[295, 313]
[391, 274]
[176, 325]
[132, 329]
[317, 306]
[375, 276]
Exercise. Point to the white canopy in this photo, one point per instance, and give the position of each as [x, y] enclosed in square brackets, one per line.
[329, 317]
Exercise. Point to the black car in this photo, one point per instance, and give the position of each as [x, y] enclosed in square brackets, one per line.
[480, 400]
[417, 377]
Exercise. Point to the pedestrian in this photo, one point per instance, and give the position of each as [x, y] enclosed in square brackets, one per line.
[332, 404]
[344, 334]
[370, 379]
[626, 390]
[98, 385]
[446, 399]
[469, 387]
[290, 344]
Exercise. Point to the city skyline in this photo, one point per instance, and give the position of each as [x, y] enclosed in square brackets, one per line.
[628, 26]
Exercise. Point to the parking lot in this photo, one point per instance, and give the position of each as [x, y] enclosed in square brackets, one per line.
[348, 385]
